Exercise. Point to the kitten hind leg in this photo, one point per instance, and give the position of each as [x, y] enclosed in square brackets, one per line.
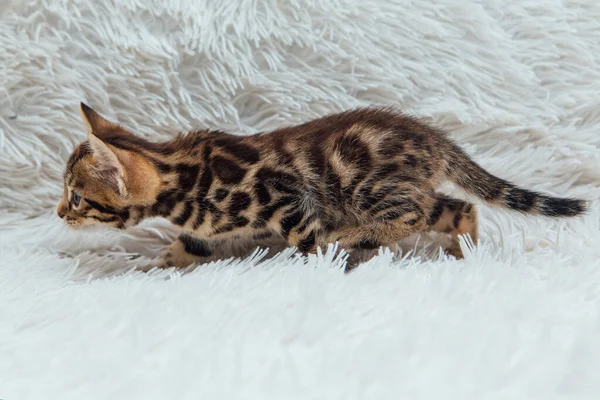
[389, 222]
[456, 217]
[388, 227]
[374, 235]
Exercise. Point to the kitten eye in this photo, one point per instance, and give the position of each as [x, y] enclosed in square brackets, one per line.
[76, 199]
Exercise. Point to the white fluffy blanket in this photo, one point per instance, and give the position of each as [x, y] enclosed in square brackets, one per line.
[517, 83]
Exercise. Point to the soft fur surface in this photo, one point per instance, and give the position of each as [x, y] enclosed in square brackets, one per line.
[516, 84]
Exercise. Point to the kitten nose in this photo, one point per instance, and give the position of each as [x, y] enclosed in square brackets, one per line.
[61, 213]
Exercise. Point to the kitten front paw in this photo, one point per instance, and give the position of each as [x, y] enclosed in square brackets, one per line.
[455, 251]
[173, 257]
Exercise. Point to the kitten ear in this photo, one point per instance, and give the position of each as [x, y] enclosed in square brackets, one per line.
[94, 122]
[108, 167]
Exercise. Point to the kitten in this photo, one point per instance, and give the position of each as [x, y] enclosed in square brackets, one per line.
[364, 178]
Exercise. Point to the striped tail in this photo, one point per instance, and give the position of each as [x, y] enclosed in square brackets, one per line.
[468, 175]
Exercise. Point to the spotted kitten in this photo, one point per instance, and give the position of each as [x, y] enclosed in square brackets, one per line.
[365, 178]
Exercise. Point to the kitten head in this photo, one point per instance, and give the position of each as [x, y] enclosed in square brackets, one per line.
[102, 182]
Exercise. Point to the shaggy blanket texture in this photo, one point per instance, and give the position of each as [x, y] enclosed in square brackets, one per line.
[516, 83]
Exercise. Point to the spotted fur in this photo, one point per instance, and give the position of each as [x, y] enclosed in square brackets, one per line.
[364, 178]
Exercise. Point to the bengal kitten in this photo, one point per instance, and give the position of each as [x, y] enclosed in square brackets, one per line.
[364, 178]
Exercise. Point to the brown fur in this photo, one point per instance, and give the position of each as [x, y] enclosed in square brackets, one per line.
[364, 178]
